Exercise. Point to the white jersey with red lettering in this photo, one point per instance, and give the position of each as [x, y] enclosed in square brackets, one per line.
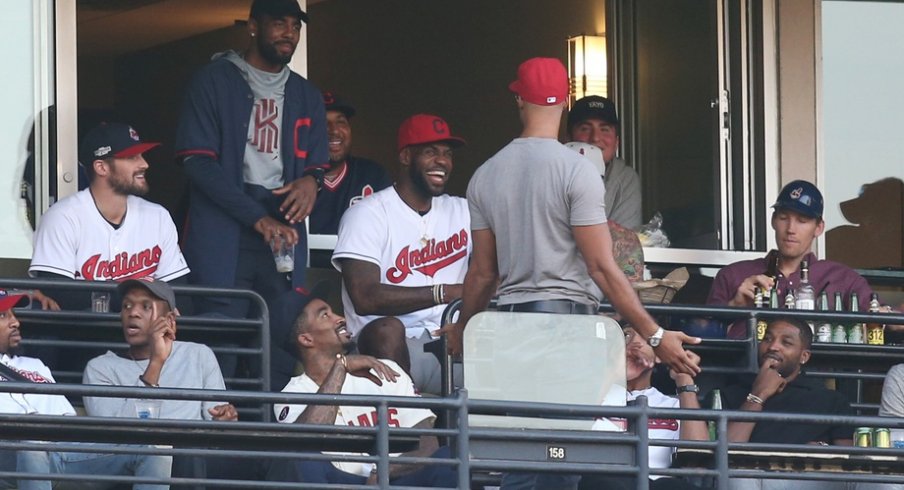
[74, 240]
[411, 250]
[358, 416]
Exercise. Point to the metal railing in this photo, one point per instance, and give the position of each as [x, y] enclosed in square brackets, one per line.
[288, 442]
[101, 331]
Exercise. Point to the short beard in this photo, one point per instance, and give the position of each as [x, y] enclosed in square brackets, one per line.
[269, 53]
[126, 188]
[420, 182]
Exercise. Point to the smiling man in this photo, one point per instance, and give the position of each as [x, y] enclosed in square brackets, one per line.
[252, 139]
[350, 178]
[797, 221]
[323, 342]
[781, 386]
[404, 251]
[107, 232]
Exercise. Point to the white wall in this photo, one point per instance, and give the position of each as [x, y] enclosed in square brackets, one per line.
[19, 32]
[862, 98]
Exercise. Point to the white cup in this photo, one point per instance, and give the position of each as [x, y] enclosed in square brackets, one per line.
[147, 409]
[283, 254]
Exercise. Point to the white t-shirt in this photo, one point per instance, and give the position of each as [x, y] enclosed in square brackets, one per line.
[411, 250]
[665, 429]
[74, 240]
[38, 372]
[358, 415]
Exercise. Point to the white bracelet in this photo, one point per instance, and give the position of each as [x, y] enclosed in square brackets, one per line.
[755, 399]
[436, 293]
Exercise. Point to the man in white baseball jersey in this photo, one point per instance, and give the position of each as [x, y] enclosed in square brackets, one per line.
[323, 341]
[107, 232]
[404, 251]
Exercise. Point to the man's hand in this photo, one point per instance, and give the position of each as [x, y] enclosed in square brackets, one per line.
[269, 228]
[744, 295]
[163, 334]
[684, 379]
[300, 196]
[672, 353]
[225, 412]
[47, 303]
[454, 333]
[361, 366]
[769, 381]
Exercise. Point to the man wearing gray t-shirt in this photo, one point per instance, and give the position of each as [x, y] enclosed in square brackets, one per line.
[538, 227]
[543, 234]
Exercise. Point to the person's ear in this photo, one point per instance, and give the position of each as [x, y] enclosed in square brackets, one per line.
[100, 167]
[305, 340]
[804, 357]
[252, 27]
[405, 156]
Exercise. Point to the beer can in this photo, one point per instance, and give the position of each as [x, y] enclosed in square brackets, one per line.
[824, 333]
[855, 334]
[839, 335]
[875, 334]
[881, 438]
[863, 437]
[761, 329]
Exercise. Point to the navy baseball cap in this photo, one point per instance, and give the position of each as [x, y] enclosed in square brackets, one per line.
[334, 102]
[159, 289]
[278, 9]
[802, 197]
[112, 140]
[593, 107]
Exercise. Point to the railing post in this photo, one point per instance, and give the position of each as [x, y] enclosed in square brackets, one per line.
[383, 444]
[463, 450]
[641, 428]
[722, 451]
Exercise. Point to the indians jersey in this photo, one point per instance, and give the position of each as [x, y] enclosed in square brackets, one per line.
[32, 403]
[411, 250]
[74, 240]
[358, 416]
[359, 179]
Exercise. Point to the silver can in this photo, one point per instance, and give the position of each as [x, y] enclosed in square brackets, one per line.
[824, 333]
[855, 334]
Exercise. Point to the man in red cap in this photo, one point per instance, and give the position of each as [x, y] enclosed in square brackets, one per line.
[108, 232]
[404, 251]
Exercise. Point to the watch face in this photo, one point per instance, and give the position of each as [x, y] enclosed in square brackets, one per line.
[654, 341]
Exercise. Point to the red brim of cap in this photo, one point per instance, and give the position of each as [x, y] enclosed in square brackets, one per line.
[136, 149]
[9, 302]
[514, 86]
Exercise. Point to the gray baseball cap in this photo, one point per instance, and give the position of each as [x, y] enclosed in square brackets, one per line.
[160, 289]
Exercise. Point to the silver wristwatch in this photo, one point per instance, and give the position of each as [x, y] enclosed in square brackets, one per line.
[656, 338]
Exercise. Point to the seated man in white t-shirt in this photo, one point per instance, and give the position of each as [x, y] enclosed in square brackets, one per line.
[639, 362]
[323, 341]
[404, 251]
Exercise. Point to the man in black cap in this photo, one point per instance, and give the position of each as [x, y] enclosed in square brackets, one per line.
[107, 232]
[593, 120]
[349, 178]
[252, 140]
[797, 221]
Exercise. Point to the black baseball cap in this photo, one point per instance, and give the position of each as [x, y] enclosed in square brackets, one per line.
[802, 197]
[160, 289]
[112, 139]
[335, 102]
[593, 107]
[278, 9]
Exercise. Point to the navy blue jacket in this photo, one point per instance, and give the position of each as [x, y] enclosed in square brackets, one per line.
[213, 129]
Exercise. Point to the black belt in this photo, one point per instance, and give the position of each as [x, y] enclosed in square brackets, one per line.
[560, 306]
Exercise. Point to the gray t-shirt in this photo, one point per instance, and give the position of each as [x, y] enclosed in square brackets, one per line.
[530, 194]
[190, 365]
[263, 162]
[623, 198]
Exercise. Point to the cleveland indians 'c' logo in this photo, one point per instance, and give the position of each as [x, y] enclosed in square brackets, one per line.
[430, 259]
[366, 191]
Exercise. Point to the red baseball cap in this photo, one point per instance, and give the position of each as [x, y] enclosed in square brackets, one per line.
[541, 81]
[424, 128]
[9, 301]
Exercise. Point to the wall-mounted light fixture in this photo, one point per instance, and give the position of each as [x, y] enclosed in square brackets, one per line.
[587, 67]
